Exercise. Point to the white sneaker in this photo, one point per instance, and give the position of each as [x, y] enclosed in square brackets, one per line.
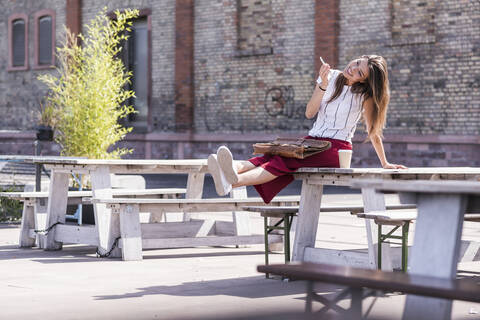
[225, 160]
[221, 184]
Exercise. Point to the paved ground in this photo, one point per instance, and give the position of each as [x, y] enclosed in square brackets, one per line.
[189, 283]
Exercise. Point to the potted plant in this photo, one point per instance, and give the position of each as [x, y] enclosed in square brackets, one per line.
[47, 120]
[89, 93]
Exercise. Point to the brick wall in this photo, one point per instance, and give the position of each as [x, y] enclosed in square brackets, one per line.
[244, 93]
[20, 90]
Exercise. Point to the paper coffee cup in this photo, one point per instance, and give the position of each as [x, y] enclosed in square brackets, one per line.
[345, 158]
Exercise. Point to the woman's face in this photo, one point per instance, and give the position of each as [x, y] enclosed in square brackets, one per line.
[356, 71]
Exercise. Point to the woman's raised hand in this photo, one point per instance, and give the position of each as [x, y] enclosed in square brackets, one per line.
[323, 73]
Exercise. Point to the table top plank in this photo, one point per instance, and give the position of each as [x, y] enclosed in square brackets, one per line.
[86, 193]
[424, 186]
[413, 171]
[278, 199]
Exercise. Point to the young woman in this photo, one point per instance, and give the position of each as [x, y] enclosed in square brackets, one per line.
[340, 99]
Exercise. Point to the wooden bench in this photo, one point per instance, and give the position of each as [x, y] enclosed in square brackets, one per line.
[35, 203]
[357, 280]
[400, 218]
[133, 237]
[285, 214]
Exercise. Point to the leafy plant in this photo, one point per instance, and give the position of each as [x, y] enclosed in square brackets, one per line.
[47, 114]
[89, 92]
[10, 209]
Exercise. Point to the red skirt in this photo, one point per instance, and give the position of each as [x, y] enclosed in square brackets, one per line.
[283, 167]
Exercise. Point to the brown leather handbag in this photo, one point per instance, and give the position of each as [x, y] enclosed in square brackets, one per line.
[291, 147]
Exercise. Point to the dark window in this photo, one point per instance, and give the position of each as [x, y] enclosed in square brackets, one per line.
[416, 28]
[18, 43]
[254, 27]
[45, 40]
[135, 57]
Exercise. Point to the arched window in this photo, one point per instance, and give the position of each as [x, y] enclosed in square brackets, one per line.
[18, 42]
[44, 39]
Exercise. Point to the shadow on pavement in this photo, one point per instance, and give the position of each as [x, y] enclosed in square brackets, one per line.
[246, 287]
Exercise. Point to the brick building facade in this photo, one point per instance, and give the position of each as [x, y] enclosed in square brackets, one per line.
[239, 71]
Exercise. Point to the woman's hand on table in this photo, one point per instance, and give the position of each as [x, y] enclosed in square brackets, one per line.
[389, 165]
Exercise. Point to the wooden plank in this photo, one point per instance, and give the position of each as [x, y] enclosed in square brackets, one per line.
[81, 194]
[180, 229]
[412, 170]
[389, 215]
[254, 201]
[207, 226]
[130, 232]
[176, 163]
[337, 257]
[83, 234]
[426, 186]
[281, 210]
[57, 206]
[307, 222]
[206, 241]
[462, 289]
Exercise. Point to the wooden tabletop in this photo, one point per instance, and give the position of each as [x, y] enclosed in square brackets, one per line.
[132, 166]
[423, 186]
[31, 159]
[417, 170]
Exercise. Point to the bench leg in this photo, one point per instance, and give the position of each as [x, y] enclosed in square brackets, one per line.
[194, 190]
[286, 237]
[379, 247]
[310, 295]
[373, 201]
[241, 220]
[56, 208]
[131, 232]
[405, 228]
[265, 232]
[40, 215]
[356, 303]
[28, 222]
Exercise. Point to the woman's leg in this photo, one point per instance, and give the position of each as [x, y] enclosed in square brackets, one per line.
[244, 166]
[255, 176]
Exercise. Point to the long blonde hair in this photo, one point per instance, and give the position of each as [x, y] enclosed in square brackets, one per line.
[376, 87]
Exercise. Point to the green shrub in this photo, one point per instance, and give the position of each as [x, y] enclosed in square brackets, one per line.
[10, 210]
[89, 92]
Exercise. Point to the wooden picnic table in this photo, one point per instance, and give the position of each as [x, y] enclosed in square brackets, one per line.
[99, 171]
[441, 208]
[311, 195]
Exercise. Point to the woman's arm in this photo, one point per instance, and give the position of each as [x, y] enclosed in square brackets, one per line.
[314, 104]
[376, 139]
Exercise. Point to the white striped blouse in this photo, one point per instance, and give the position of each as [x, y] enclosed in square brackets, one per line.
[337, 119]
